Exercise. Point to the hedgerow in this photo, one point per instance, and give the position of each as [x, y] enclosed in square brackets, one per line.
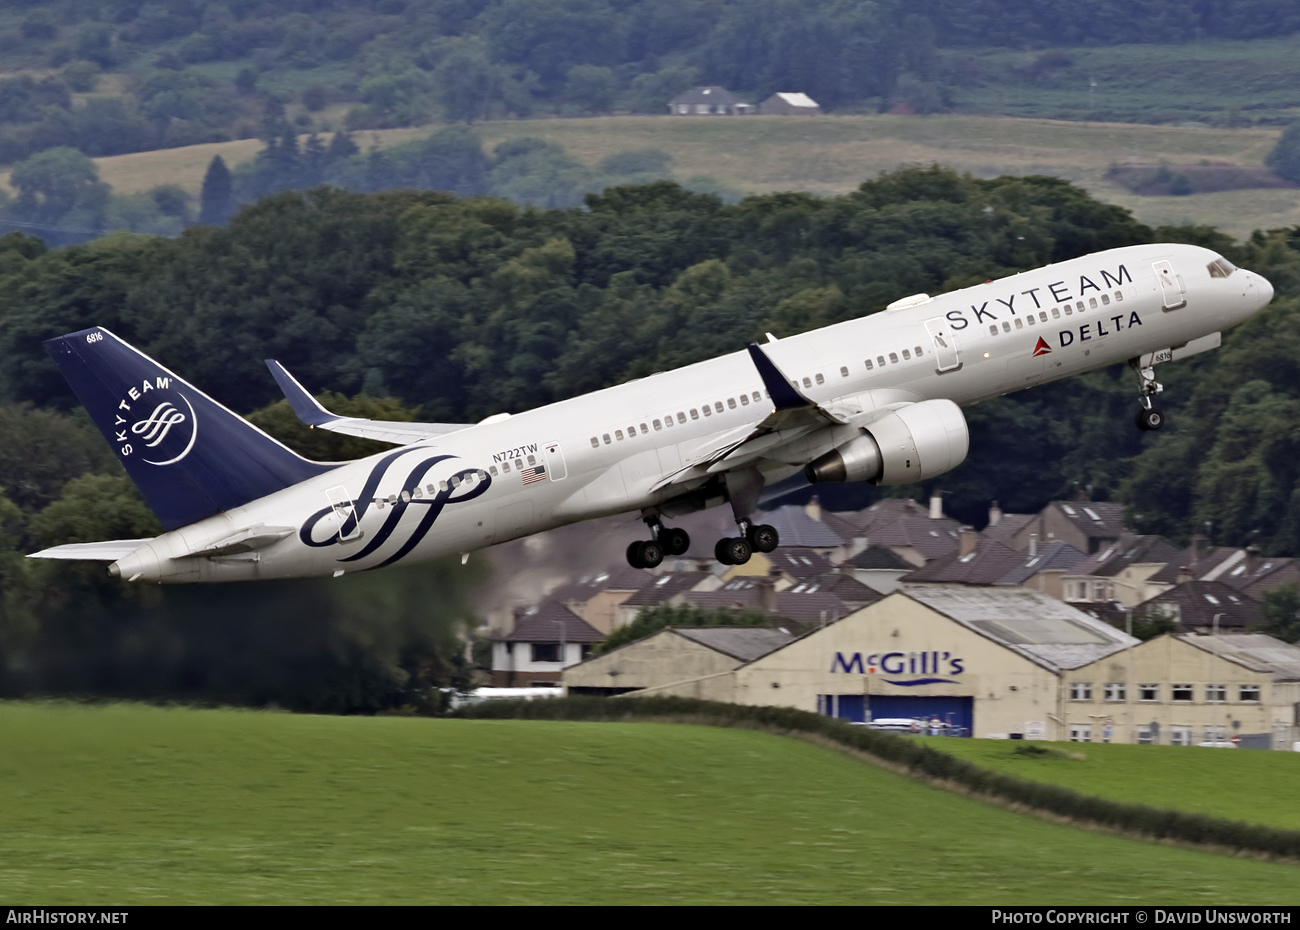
[919, 760]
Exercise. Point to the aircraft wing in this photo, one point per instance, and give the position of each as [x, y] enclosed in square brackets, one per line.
[794, 415]
[110, 550]
[314, 415]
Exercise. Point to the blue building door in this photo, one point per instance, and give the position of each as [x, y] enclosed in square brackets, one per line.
[850, 707]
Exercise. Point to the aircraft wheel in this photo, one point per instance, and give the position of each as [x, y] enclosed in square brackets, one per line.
[1150, 419]
[732, 551]
[675, 541]
[645, 553]
[651, 554]
[763, 538]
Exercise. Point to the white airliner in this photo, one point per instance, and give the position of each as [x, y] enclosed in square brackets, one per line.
[875, 399]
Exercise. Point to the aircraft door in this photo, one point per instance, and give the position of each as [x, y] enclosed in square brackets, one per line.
[947, 354]
[345, 514]
[1172, 289]
[555, 461]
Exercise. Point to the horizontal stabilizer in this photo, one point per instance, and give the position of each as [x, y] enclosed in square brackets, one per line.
[247, 540]
[310, 411]
[110, 550]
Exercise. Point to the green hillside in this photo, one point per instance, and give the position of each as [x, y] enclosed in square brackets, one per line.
[1224, 83]
[144, 805]
[1257, 787]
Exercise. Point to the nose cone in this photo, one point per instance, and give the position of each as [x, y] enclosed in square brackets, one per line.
[1263, 290]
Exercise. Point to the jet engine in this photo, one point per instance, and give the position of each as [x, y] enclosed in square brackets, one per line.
[914, 442]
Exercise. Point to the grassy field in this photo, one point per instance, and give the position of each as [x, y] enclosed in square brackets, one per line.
[833, 154]
[1258, 787]
[136, 805]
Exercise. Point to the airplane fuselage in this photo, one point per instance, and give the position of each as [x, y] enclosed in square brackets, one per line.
[611, 451]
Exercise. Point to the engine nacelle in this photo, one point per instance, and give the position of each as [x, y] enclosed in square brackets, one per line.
[910, 444]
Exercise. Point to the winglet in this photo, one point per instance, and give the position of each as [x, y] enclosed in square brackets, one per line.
[304, 405]
[784, 395]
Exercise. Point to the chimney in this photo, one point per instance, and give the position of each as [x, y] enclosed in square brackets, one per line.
[995, 514]
[767, 591]
[1184, 576]
[813, 508]
[1252, 560]
[936, 507]
[1200, 545]
[1033, 545]
[968, 540]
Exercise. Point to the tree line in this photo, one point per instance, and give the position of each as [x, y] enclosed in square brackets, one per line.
[424, 303]
[60, 198]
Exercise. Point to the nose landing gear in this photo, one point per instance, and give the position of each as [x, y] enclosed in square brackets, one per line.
[1149, 416]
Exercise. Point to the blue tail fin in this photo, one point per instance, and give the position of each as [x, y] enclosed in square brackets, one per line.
[189, 456]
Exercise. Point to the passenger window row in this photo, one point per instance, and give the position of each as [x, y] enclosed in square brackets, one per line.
[416, 494]
[1067, 309]
[893, 359]
[681, 417]
[519, 465]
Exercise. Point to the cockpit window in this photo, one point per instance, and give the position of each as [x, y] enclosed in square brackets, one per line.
[1221, 268]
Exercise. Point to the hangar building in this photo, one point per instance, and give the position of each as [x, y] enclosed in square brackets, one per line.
[983, 660]
[986, 661]
[672, 654]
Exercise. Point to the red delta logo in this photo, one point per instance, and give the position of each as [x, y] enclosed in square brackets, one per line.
[1042, 348]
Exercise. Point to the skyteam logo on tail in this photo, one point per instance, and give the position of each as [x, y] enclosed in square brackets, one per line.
[155, 423]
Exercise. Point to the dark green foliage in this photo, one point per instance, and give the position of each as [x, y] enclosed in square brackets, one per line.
[61, 197]
[94, 507]
[217, 201]
[357, 644]
[1153, 622]
[1285, 157]
[1282, 608]
[657, 618]
[1228, 462]
[44, 450]
[54, 182]
[917, 759]
[320, 445]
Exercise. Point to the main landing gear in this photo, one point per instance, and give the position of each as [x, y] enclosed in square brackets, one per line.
[673, 540]
[648, 553]
[1149, 416]
[736, 550]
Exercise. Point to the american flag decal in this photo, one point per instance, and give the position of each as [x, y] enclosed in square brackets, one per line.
[536, 473]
